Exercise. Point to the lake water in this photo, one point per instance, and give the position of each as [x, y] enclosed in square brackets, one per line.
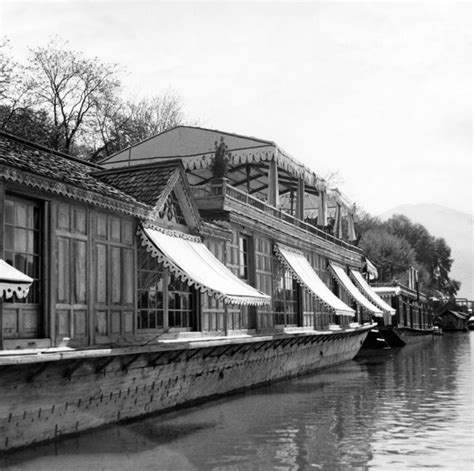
[413, 409]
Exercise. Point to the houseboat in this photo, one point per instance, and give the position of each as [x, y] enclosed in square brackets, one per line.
[452, 317]
[413, 318]
[171, 273]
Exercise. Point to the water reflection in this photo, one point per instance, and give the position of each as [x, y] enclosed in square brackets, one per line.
[409, 410]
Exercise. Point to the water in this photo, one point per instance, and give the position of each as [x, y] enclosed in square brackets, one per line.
[411, 410]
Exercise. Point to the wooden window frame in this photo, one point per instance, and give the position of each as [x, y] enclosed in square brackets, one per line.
[43, 334]
[284, 277]
[193, 312]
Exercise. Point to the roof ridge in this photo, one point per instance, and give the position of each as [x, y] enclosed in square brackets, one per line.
[145, 166]
[263, 141]
[41, 147]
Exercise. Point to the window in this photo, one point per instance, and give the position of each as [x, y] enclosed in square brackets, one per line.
[22, 318]
[180, 303]
[286, 299]
[150, 292]
[163, 300]
[22, 242]
[244, 244]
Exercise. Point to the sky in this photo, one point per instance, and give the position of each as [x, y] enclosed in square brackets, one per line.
[379, 92]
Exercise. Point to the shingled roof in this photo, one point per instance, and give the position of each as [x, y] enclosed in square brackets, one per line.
[36, 166]
[145, 183]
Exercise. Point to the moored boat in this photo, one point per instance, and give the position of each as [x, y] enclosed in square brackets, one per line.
[413, 319]
[470, 323]
[156, 283]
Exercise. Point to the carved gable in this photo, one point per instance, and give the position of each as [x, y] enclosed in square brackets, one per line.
[162, 186]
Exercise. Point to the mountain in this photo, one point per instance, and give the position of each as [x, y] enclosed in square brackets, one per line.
[456, 228]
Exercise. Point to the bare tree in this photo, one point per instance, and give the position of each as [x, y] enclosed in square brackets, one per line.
[15, 97]
[72, 89]
[73, 104]
[122, 124]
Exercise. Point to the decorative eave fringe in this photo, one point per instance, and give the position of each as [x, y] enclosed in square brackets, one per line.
[7, 290]
[392, 312]
[334, 276]
[184, 277]
[296, 277]
[266, 154]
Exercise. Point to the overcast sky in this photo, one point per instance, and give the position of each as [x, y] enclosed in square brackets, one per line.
[380, 92]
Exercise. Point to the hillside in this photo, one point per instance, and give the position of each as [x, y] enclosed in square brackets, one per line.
[456, 228]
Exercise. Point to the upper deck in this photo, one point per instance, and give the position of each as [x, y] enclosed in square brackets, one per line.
[252, 180]
[220, 196]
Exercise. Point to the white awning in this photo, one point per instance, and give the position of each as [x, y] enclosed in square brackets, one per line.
[13, 281]
[371, 270]
[192, 262]
[370, 293]
[387, 291]
[343, 279]
[301, 270]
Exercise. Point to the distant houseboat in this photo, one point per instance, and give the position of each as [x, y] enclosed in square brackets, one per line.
[155, 284]
[470, 323]
[413, 319]
[449, 318]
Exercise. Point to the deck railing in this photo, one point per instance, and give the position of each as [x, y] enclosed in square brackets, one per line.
[223, 189]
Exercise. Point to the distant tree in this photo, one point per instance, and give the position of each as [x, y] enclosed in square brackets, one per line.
[74, 104]
[392, 255]
[35, 126]
[364, 222]
[15, 98]
[6, 69]
[71, 89]
[431, 255]
[123, 124]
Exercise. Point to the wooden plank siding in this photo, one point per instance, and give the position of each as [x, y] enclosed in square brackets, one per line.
[114, 271]
[89, 276]
[71, 273]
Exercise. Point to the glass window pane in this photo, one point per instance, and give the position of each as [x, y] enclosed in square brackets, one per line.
[20, 262]
[143, 319]
[152, 324]
[31, 266]
[9, 212]
[9, 258]
[9, 237]
[159, 319]
[21, 214]
[159, 299]
[21, 240]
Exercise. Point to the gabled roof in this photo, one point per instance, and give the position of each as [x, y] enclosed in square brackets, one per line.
[195, 146]
[36, 166]
[145, 183]
[152, 184]
[459, 315]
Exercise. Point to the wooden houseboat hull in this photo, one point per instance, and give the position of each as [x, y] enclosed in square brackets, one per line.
[374, 345]
[413, 336]
[49, 395]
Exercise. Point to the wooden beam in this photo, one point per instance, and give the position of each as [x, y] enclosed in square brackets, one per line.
[127, 363]
[103, 365]
[193, 354]
[68, 372]
[260, 188]
[37, 372]
[300, 199]
[248, 180]
[156, 358]
[273, 195]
